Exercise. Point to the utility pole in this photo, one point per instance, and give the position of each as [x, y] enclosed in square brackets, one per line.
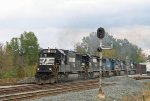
[100, 35]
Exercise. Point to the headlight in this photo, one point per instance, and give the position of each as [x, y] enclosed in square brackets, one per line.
[38, 69]
[50, 69]
[83, 64]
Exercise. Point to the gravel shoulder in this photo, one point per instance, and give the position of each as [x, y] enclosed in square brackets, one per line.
[124, 87]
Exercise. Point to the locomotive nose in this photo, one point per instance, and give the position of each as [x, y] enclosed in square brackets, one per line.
[45, 68]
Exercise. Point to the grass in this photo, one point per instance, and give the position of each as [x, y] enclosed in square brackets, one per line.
[13, 74]
[141, 97]
[147, 93]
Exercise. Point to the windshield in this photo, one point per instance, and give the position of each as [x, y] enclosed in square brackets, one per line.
[47, 55]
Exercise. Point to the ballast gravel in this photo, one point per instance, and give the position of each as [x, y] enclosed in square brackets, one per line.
[122, 87]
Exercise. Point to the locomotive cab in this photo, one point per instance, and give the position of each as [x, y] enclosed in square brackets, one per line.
[48, 59]
[49, 65]
[83, 61]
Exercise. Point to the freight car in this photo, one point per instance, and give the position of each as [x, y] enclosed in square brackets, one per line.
[57, 64]
[140, 68]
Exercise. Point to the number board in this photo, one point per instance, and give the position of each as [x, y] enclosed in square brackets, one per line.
[49, 51]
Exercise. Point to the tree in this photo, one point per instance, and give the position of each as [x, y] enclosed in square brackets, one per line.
[121, 48]
[149, 58]
[24, 49]
[14, 50]
[1, 55]
[19, 55]
[29, 47]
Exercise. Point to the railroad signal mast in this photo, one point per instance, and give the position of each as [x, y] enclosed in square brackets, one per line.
[101, 35]
[127, 66]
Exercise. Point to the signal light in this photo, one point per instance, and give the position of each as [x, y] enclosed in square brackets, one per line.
[99, 49]
[100, 32]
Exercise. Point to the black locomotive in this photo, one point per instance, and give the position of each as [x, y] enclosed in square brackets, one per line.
[57, 64]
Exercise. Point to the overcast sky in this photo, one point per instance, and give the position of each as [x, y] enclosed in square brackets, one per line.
[62, 23]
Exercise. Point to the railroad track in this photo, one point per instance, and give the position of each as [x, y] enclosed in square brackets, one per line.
[140, 78]
[33, 87]
[31, 91]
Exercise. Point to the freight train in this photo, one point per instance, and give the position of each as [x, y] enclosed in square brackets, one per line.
[57, 64]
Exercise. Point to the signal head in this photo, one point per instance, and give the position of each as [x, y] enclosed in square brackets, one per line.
[100, 33]
[99, 49]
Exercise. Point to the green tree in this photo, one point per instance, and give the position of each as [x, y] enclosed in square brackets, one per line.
[14, 50]
[1, 55]
[18, 56]
[148, 58]
[29, 47]
[121, 48]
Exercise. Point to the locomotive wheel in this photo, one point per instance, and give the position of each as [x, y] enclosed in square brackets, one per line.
[52, 80]
[134, 72]
[81, 75]
[107, 73]
[91, 75]
[64, 77]
[117, 73]
[111, 73]
[37, 78]
[122, 73]
[103, 73]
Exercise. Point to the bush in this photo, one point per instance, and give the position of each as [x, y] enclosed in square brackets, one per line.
[29, 71]
[20, 72]
[10, 73]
